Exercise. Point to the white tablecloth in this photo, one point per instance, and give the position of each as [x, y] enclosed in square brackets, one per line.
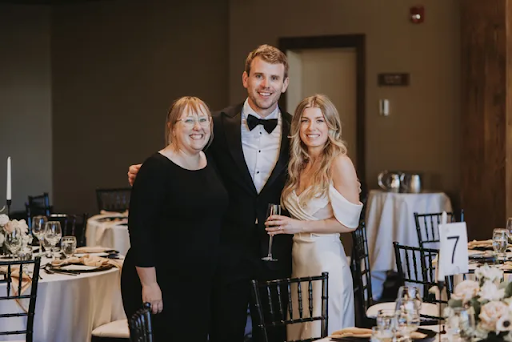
[389, 218]
[68, 307]
[111, 234]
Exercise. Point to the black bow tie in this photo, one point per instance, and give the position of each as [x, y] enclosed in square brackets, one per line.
[268, 124]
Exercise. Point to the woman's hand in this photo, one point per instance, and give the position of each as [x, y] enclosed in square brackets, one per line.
[278, 224]
[152, 294]
[132, 173]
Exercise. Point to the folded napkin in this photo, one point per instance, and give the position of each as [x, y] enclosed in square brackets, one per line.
[95, 249]
[26, 281]
[87, 260]
[352, 332]
[480, 244]
[367, 333]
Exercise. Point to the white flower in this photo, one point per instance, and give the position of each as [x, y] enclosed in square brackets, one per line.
[466, 290]
[9, 227]
[491, 313]
[22, 225]
[504, 324]
[3, 219]
[486, 272]
[490, 291]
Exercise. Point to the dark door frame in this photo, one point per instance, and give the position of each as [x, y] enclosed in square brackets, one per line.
[356, 41]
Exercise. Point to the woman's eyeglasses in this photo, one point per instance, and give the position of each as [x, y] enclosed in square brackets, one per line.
[190, 121]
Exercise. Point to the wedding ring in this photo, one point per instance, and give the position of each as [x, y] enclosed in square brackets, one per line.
[280, 227]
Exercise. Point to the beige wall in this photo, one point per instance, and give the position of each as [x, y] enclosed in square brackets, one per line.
[422, 131]
[25, 101]
[117, 66]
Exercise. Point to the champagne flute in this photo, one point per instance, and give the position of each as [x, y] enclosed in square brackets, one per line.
[273, 209]
[500, 243]
[38, 227]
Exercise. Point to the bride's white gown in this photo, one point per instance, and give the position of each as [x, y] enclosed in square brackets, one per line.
[317, 253]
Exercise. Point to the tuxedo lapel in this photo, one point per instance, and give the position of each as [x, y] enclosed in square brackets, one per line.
[231, 120]
[284, 152]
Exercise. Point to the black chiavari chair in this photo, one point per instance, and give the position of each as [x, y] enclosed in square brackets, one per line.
[12, 272]
[114, 199]
[427, 227]
[140, 325]
[273, 311]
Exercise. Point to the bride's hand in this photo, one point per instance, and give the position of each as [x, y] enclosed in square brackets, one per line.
[277, 224]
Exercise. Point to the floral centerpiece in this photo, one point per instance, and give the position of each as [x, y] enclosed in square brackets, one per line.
[488, 301]
[8, 226]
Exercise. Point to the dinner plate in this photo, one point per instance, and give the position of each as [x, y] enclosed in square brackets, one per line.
[431, 335]
[79, 268]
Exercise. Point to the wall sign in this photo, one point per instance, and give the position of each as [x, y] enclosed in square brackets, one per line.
[393, 79]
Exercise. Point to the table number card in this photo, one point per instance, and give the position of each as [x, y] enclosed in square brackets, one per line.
[453, 249]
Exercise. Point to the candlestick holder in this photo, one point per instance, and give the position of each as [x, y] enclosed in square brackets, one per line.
[9, 207]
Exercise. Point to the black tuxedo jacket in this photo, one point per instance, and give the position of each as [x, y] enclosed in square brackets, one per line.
[242, 242]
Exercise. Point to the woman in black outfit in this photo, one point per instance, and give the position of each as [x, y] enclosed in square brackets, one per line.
[176, 208]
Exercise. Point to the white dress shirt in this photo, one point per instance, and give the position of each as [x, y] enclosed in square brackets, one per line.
[261, 149]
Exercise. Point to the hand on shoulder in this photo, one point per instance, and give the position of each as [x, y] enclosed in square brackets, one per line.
[344, 177]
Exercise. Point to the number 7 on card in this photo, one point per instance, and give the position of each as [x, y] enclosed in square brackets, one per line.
[453, 249]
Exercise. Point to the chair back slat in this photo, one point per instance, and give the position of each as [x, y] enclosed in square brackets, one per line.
[419, 270]
[17, 295]
[427, 227]
[265, 305]
[140, 325]
[37, 205]
[113, 199]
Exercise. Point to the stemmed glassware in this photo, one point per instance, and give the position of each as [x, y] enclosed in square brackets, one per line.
[509, 229]
[13, 241]
[52, 234]
[500, 243]
[68, 245]
[38, 227]
[273, 209]
[408, 308]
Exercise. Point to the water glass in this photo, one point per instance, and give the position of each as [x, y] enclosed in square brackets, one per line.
[380, 335]
[386, 319]
[460, 325]
[500, 243]
[68, 245]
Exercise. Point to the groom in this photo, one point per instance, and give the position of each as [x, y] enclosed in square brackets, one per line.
[251, 151]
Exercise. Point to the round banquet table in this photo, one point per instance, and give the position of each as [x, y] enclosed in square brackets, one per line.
[108, 230]
[68, 307]
[389, 218]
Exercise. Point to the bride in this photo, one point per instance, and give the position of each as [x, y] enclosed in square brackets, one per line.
[322, 197]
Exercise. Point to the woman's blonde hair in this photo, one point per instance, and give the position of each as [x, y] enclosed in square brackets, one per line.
[299, 157]
[178, 107]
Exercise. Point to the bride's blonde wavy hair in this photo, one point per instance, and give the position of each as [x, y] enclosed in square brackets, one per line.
[299, 157]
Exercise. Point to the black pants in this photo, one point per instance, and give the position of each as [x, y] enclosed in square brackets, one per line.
[229, 313]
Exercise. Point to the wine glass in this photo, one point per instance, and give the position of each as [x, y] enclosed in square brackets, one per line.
[13, 241]
[407, 318]
[38, 227]
[500, 243]
[273, 209]
[509, 229]
[461, 324]
[68, 245]
[52, 234]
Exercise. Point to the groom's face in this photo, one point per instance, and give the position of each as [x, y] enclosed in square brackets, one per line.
[265, 84]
